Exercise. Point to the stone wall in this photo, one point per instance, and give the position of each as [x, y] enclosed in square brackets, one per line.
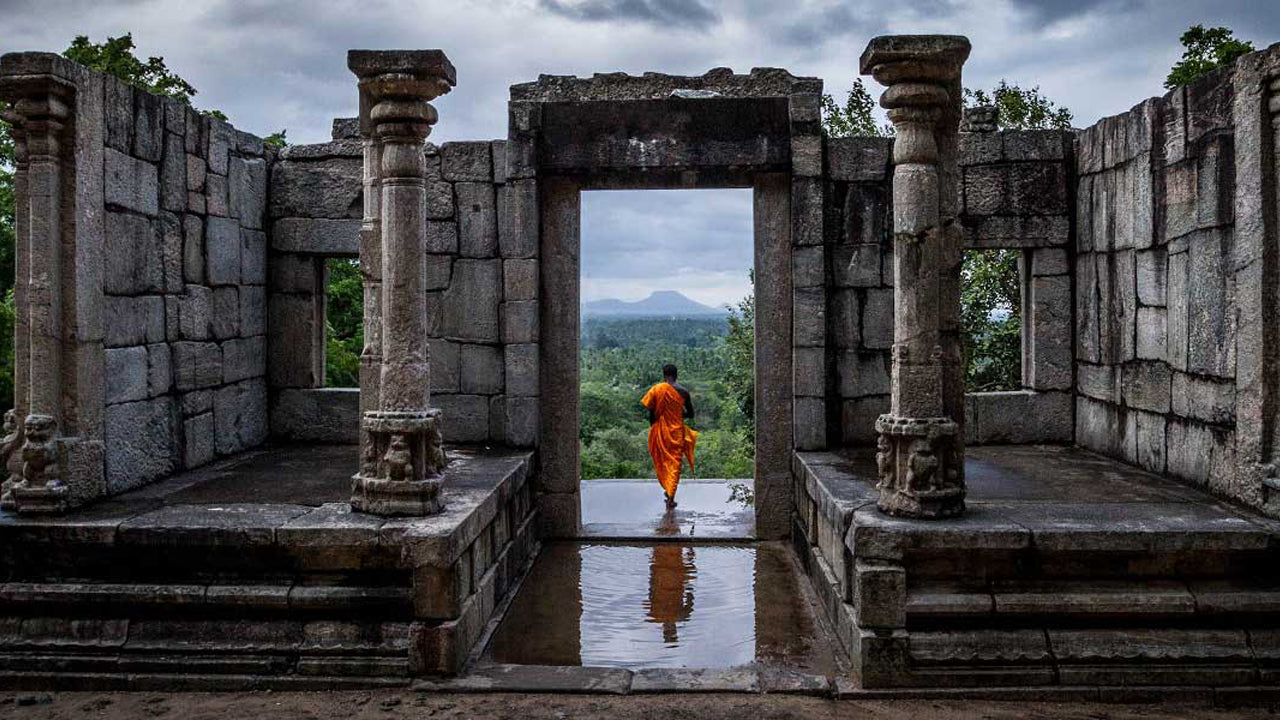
[185, 269]
[1016, 195]
[1158, 276]
[483, 306]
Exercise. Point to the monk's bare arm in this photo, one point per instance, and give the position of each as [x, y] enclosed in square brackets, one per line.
[688, 401]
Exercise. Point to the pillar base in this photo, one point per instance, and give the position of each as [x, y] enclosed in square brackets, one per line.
[401, 473]
[921, 467]
[41, 500]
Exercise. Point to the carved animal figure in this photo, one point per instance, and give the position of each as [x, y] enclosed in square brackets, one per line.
[399, 460]
[39, 452]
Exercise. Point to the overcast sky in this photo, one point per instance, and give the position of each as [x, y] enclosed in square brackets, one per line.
[272, 64]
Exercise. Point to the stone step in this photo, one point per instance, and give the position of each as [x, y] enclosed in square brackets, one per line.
[328, 599]
[1074, 599]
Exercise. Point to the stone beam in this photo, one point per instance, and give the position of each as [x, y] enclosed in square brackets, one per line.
[920, 446]
[402, 456]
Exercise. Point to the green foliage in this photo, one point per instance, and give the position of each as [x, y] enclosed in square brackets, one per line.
[854, 118]
[739, 352]
[1206, 49]
[344, 315]
[991, 315]
[1021, 109]
[621, 358]
[115, 57]
[276, 139]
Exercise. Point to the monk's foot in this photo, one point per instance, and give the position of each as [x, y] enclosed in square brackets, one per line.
[671, 501]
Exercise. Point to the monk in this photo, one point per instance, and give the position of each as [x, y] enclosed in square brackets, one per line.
[670, 440]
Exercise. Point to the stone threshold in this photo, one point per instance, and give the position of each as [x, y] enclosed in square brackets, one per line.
[499, 678]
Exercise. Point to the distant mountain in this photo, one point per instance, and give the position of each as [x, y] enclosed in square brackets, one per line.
[663, 303]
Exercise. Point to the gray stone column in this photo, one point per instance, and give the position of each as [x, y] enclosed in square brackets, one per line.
[41, 114]
[403, 457]
[920, 454]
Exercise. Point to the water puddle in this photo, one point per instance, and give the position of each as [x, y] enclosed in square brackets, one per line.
[634, 509]
[667, 605]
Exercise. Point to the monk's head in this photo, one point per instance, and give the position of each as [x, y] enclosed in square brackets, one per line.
[669, 373]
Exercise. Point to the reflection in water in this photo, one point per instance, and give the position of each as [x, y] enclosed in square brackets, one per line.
[668, 604]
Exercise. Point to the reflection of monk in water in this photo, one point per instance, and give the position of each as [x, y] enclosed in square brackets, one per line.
[670, 595]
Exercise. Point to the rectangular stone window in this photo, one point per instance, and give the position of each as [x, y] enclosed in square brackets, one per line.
[344, 322]
[991, 318]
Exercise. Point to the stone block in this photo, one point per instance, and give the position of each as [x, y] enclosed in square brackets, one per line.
[328, 415]
[482, 369]
[439, 202]
[330, 187]
[1149, 432]
[980, 148]
[1016, 231]
[225, 318]
[118, 111]
[293, 273]
[845, 322]
[1098, 426]
[222, 251]
[1049, 261]
[1215, 176]
[520, 321]
[518, 227]
[469, 161]
[1178, 330]
[1181, 194]
[877, 319]
[1210, 318]
[477, 220]
[1025, 145]
[1152, 333]
[1085, 214]
[195, 313]
[220, 140]
[857, 265]
[521, 421]
[520, 279]
[808, 366]
[295, 342]
[808, 267]
[986, 188]
[521, 370]
[134, 254]
[1204, 399]
[240, 416]
[126, 374]
[806, 211]
[863, 373]
[469, 308]
[247, 191]
[197, 365]
[196, 203]
[1097, 382]
[806, 155]
[141, 442]
[499, 152]
[1018, 417]
[1152, 273]
[810, 423]
[1047, 363]
[1037, 188]
[879, 595]
[196, 171]
[159, 369]
[216, 201]
[858, 159]
[173, 175]
[809, 317]
[199, 435]
[442, 236]
[446, 371]
[244, 358]
[466, 417]
[133, 320]
[171, 259]
[319, 236]
[253, 310]
[197, 132]
[858, 418]
[130, 183]
[438, 273]
[253, 257]
[1146, 386]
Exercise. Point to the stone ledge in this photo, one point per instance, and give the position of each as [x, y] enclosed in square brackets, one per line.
[761, 82]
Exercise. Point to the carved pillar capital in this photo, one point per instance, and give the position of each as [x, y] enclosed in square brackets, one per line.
[920, 447]
[402, 455]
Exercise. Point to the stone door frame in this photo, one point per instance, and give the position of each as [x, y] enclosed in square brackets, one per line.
[568, 135]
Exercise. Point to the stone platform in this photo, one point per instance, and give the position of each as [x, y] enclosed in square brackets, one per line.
[1068, 569]
[254, 572]
[633, 509]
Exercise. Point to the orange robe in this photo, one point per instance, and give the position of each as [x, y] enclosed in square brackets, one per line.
[670, 440]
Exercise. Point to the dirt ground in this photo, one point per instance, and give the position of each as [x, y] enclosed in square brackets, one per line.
[407, 704]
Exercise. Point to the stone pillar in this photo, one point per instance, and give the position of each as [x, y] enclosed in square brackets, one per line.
[920, 454]
[402, 458]
[41, 115]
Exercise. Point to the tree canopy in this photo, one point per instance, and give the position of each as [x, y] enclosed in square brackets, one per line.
[1205, 49]
[1020, 108]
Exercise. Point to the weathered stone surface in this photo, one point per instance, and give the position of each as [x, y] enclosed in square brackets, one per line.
[253, 310]
[1097, 382]
[664, 680]
[196, 171]
[159, 369]
[198, 446]
[216, 201]
[521, 363]
[1146, 385]
[858, 159]
[482, 369]
[520, 279]
[225, 315]
[134, 254]
[466, 417]
[321, 236]
[195, 310]
[469, 308]
[518, 219]
[330, 415]
[293, 273]
[1210, 324]
[131, 184]
[325, 188]
[244, 358]
[173, 175]
[197, 365]
[127, 374]
[809, 323]
[1152, 275]
[477, 220]
[446, 371]
[1203, 398]
[240, 416]
[877, 319]
[1152, 333]
[294, 347]
[253, 257]
[466, 161]
[863, 374]
[140, 442]
[133, 320]
[520, 321]
[222, 251]
[247, 191]
[220, 140]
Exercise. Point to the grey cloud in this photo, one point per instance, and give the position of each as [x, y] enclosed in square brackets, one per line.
[692, 13]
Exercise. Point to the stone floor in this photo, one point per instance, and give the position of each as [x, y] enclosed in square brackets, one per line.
[633, 509]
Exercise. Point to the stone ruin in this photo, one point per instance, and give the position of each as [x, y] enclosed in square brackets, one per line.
[1113, 523]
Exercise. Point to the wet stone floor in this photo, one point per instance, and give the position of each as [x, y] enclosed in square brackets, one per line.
[664, 605]
[633, 509]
